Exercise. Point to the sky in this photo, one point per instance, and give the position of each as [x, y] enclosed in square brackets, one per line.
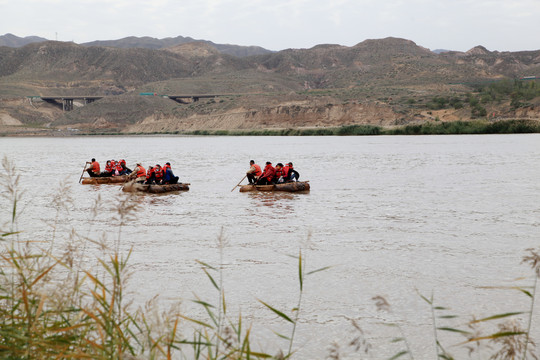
[503, 25]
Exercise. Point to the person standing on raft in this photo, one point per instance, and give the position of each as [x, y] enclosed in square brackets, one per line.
[254, 172]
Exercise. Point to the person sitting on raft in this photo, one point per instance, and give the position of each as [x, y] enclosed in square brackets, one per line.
[168, 175]
[268, 175]
[158, 174]
[150, 176]
[285, 173]
[122, 168]
[292, 175]
[280, 176]
[254, 172]
[93, 170]
[109, 169]
[139, 173]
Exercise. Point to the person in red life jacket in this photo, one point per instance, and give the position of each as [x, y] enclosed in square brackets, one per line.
[254, 172]
[124, 169]
[279, 167]
[280, 174]
[113, 167]
[150, 176]
[168, 175]
[138, 173]
[158, 174]
[108, 169]
[118, 168]
[285, 173]
[268, 175]
[93, 170]
[293, 174]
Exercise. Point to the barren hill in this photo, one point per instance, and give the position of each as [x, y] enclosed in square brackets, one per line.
[386, 81]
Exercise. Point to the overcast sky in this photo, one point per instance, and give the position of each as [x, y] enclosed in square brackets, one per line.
[504, 25]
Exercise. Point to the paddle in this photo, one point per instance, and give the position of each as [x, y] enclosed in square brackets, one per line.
[84, 169]
[238, 183]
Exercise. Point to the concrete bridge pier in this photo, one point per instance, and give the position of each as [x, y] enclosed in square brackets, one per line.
[67, 104]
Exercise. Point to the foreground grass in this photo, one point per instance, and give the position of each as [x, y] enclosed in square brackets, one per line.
[59, 304]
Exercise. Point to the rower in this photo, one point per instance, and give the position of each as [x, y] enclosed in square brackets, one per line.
[139, 173]
[93, 170]
[254, 172]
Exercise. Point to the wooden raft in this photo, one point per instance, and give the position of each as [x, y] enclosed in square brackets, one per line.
[154, 189]
[105, 180]
[295, 186]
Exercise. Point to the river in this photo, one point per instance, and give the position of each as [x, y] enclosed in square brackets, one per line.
[395, 216]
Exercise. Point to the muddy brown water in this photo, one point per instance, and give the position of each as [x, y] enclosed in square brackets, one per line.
[392, 216]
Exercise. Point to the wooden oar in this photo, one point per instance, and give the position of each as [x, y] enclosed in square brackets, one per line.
[238, 183]
[84, 169]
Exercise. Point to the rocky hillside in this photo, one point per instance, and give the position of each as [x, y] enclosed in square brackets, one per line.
[388, 82]
[145, 42]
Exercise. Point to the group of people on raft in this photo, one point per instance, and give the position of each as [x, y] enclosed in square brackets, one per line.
[113, 168]
[164, 175]
[155, 175]
[271, 175]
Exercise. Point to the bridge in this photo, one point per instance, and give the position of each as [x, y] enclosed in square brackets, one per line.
[184, 99]
[66, 102]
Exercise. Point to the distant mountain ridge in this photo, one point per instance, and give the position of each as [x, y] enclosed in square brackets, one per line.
[145, 42]
[11, 40]
[383, 61]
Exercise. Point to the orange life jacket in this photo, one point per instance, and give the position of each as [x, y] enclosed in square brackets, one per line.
[109, 167]
[258, 171]
[140, 171]
[159, 174]
[95, 167]
[165, 167]
[149, 173]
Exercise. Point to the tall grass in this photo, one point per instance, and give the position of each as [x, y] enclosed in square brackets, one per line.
[51, 306]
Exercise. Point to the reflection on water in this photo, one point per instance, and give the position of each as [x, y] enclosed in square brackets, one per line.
[447, 214]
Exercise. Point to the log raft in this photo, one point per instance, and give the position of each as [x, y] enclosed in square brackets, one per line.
[105, 180]
[154, 189]
[295, 186]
